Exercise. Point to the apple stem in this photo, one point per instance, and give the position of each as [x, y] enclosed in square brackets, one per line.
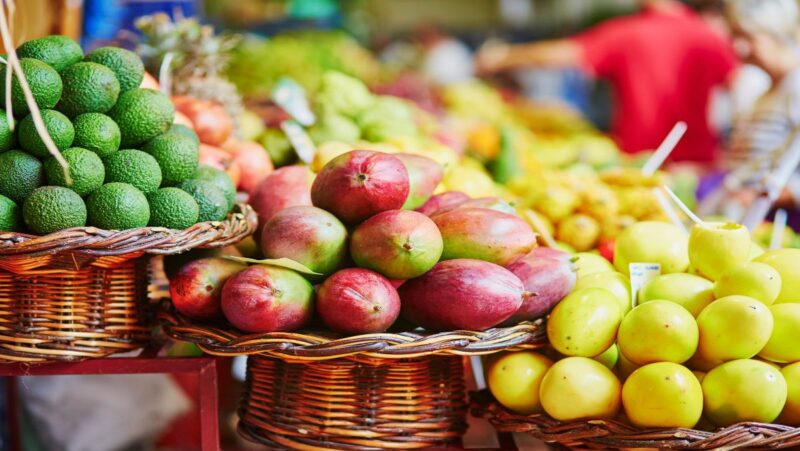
[664, 149]
[688, 212]
[778, 226]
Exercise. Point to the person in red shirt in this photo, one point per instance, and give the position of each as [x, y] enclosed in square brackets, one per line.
[662, 63]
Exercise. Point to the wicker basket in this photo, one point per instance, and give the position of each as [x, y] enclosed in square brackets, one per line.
[310, 391]
[82, 292]
[354, 404]
[611, 434]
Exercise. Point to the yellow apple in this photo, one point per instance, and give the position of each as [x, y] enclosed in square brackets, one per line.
[658, 331]
[652, 242]
[743, 390]
[584, 323]
[787, 262]
[577, 387]
[663, 395]
[757, 280]
[733, 327]
[691, 292]
[784, 343]
[514, 380]
[715, 247]
[587, 263]
[617, 283]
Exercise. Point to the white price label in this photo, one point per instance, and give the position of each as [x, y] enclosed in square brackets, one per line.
[641, 273]
[300, 140]
[291, 97]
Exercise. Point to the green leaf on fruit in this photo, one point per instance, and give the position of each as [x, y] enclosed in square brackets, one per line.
[287, 263]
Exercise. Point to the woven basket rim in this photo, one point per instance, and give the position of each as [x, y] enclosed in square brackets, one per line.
[613, 434]
[312, 345]
[240, 222]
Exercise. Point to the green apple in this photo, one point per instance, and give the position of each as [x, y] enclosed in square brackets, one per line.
[784, 343]
[662, 395]
[691, 292]
[652, 242]
[715, 247]
[609, 358]
[733, 327]
[658, 331]
[743, 390]
[791, 411]
[757, 280]
[587, 263]
[787, 262]
[617, 283]
[584, 323]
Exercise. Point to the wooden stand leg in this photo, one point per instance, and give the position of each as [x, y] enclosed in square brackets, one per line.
[209, 417]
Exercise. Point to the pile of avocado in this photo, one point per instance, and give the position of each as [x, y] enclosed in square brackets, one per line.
[130, 166]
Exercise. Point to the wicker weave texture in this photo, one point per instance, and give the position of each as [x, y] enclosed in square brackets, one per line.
[354, 404]
[610, 434]
[48, 313]
[152, 240]
[308, 346]
[82, 293]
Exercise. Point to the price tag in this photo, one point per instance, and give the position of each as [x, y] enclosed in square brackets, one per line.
[300, 140]
[641, 273]
[291, 97]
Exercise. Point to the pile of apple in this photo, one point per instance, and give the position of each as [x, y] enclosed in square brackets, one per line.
[365, 242]
[712, 341]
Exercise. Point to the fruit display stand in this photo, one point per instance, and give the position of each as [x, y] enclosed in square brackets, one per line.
[83, 292]
[376, 391]
[611, 434]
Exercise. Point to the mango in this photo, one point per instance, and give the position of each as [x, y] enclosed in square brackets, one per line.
[462, 294]
[484, 234]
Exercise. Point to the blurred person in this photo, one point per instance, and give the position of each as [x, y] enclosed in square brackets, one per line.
[729, 103]
[765, 35]
[662, 64]
[445, 59]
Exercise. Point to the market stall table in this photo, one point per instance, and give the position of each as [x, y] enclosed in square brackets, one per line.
[203, 367]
